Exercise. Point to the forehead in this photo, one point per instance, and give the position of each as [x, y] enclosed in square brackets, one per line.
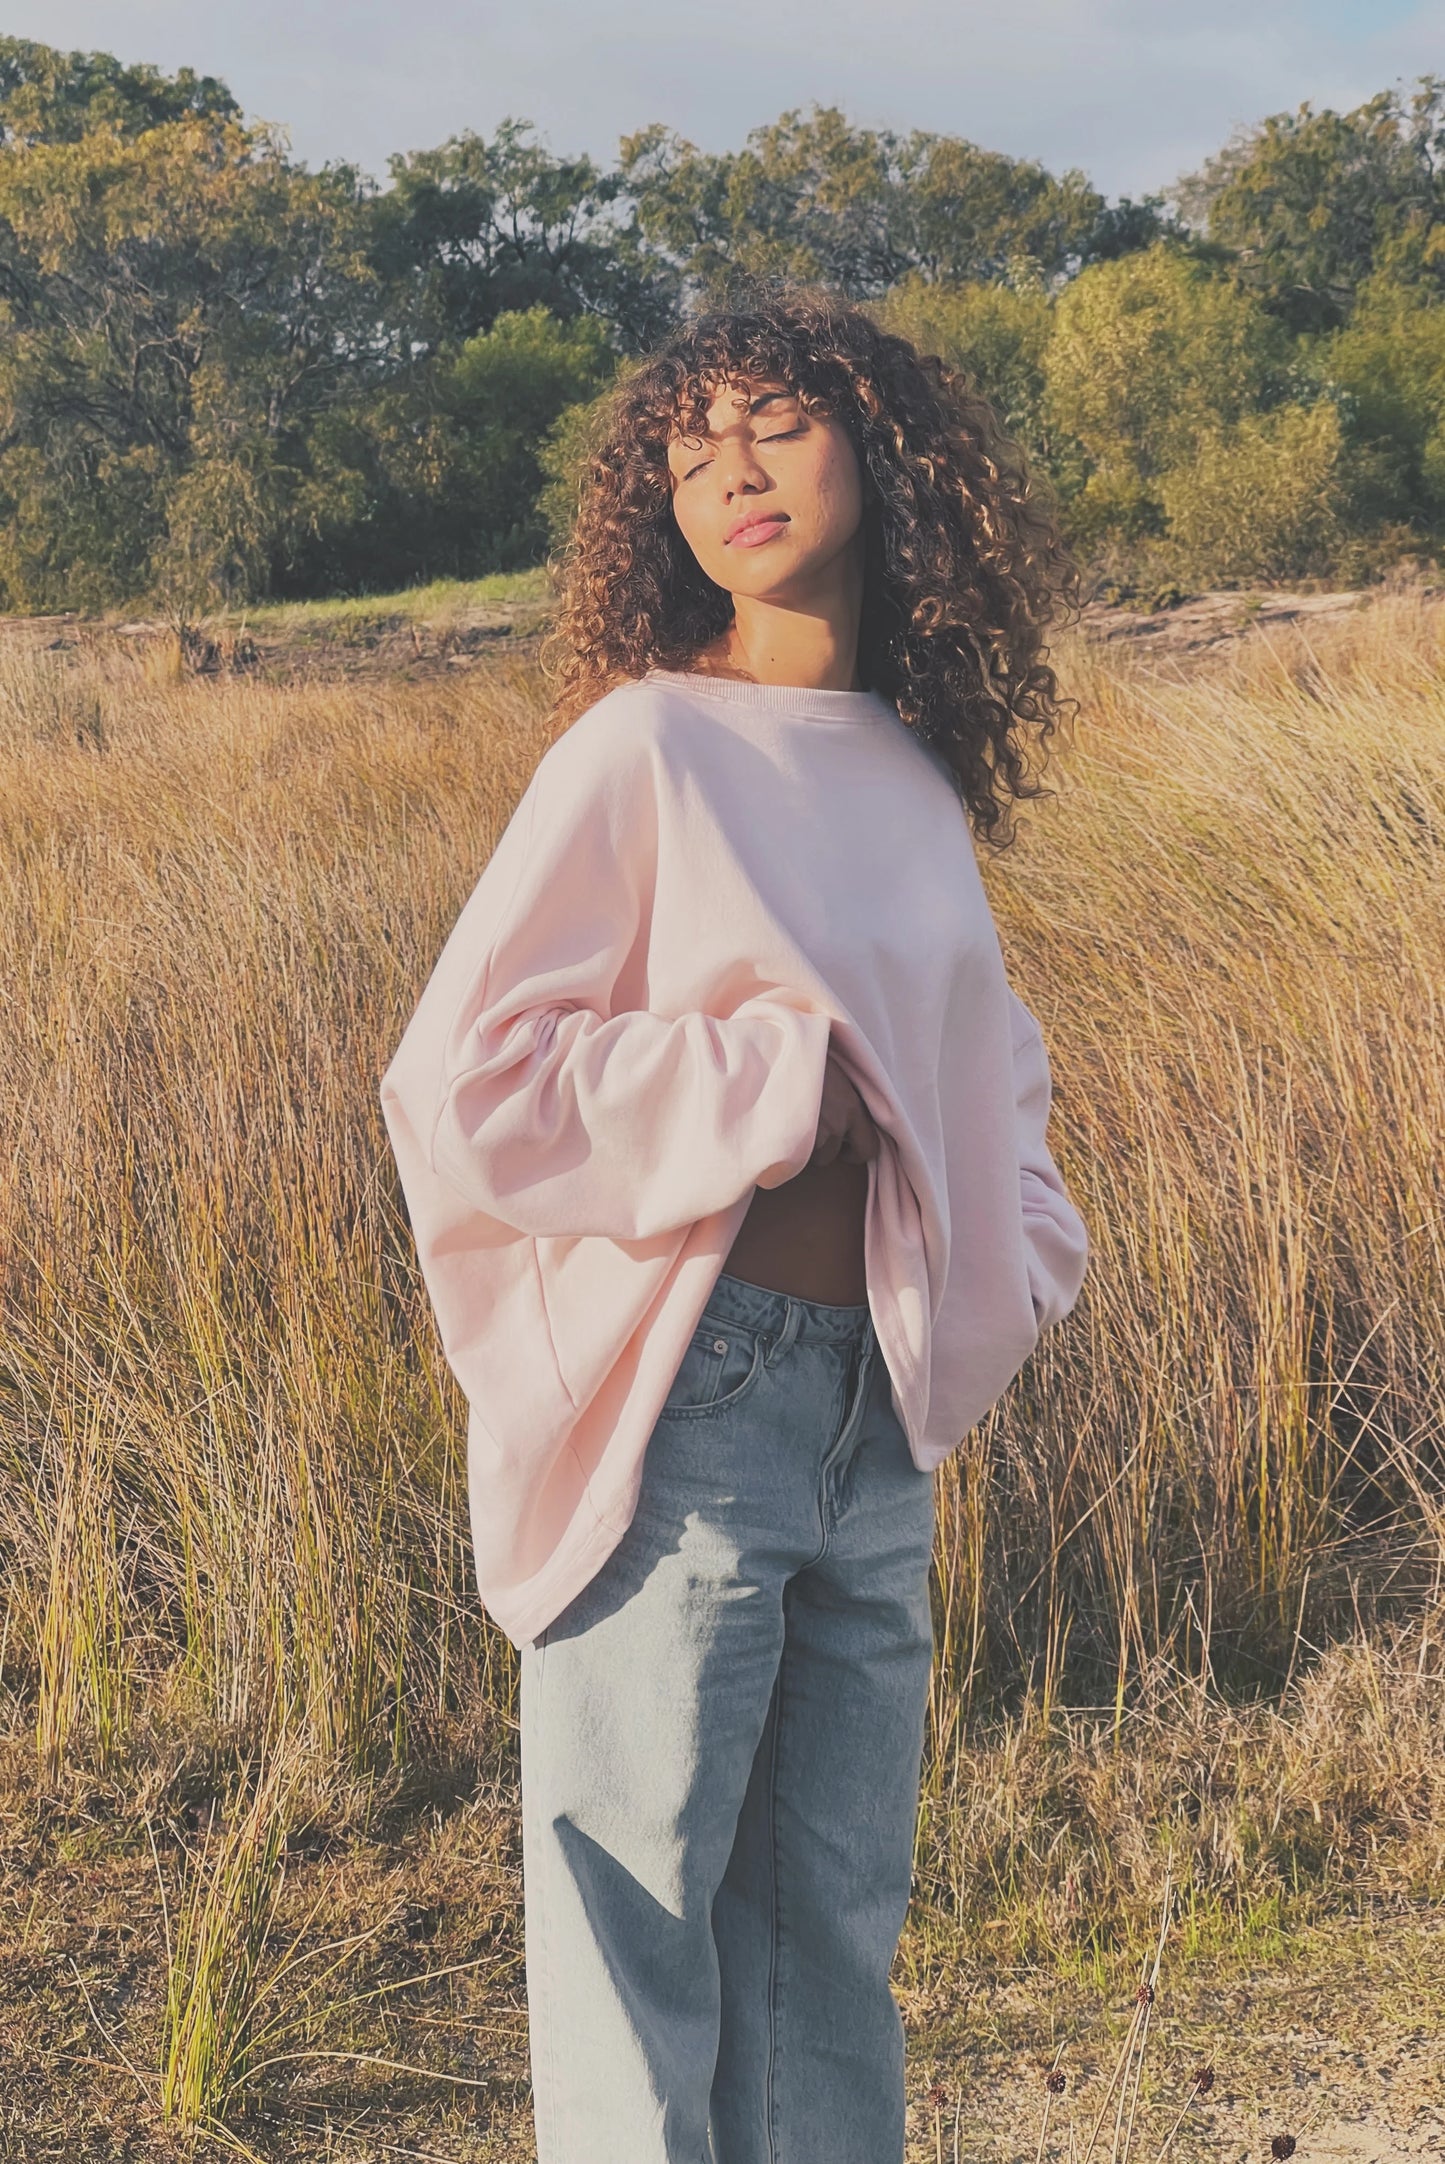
[729, 405]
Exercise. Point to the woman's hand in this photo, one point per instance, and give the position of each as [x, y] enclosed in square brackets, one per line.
[845, 1126]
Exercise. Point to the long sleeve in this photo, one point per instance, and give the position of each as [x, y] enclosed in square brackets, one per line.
[536, 1082]
[704, 887]
[1055, 1237]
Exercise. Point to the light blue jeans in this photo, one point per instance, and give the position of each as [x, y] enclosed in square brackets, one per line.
[721, 1739]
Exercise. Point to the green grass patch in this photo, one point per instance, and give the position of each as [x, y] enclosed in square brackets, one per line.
[438, 602]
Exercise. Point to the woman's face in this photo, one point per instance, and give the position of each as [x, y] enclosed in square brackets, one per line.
[770, 497]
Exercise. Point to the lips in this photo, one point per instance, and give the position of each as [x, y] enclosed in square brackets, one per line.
[753, 532]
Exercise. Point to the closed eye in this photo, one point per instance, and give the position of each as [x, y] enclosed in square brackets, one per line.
[785, 437]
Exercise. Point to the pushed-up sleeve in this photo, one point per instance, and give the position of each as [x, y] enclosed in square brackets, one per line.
[535, 1079]
[1055, 1237]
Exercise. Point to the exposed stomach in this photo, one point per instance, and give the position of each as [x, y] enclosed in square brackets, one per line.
[806, 1237]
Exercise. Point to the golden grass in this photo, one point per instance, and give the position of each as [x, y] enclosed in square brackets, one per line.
[1188, 1570]
[1235, 945]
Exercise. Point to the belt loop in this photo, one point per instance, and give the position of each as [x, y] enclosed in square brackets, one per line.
[789, 1331]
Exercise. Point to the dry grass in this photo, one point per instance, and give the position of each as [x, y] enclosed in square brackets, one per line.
[1188, 1571]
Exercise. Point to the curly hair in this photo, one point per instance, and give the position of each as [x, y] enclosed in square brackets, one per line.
[964, 564]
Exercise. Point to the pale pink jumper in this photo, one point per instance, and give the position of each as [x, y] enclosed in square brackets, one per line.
[703, 883]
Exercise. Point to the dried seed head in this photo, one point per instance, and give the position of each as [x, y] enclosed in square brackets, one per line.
[1204, 2079]
[1282, 2146]
[937, 2095]
[1056, 2081]
[1144, 1996]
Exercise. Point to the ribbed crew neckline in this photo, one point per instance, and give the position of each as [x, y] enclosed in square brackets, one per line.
[798, 699]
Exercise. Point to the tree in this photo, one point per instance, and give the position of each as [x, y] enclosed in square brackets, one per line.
[1305, 206]
[224, 375]
[1147, 353]
[562, 456]
[475, 229]
[964, 213]
[439, 472]
[48, 96]
[1387, 366]
[860, 209]
[996, 335]
[1265, 499]
[173, 297]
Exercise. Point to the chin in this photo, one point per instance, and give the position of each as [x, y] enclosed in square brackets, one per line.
[771, 581]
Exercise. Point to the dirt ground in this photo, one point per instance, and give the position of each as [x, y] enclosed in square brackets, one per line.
[291, 646]
[286, 645]
[1332, 2034]
[1335, 2036]
[1201, 622]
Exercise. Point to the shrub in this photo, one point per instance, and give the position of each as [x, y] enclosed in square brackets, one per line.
[995, 334]
[1151, 351]
[560, 459]
[1261, 500]
[1389, 364]
[438, 476]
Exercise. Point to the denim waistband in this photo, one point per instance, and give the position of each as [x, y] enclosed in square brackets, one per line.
[781, 1315]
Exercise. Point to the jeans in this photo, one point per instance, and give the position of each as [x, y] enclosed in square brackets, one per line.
[721, 1739]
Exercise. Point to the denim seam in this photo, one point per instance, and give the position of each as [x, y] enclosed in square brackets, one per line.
[851, 1412]
[863, 1383]
[715, 1406]
[775, 1935]
[782, 1343]
[549, 2022]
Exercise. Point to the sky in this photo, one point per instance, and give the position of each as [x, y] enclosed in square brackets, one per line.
[1133, 92]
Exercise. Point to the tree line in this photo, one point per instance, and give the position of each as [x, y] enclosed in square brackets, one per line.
[224, 375]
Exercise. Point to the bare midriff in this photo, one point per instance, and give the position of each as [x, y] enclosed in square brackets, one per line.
[806, 1237]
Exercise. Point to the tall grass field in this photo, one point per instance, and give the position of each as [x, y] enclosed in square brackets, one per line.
[261, 1869]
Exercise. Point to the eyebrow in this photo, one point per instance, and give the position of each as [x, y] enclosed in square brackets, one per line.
[764, 398]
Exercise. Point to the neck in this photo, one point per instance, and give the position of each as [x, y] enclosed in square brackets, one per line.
[808, 639]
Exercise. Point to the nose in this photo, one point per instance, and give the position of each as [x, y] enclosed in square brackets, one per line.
[741, 472]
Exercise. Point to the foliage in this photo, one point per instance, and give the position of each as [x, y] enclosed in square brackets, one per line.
[474, 229]
[997, 335]
[1387, 364]
[1147, 354]
[53, 97]
[1149, 350]
[1307, 205]
[561, 457]
[1261, 500]
[224, 376]
[178, 299]
[857, 208]
[438, 472]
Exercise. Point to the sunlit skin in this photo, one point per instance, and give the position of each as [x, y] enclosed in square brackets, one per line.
[795, 573]
[797, 580]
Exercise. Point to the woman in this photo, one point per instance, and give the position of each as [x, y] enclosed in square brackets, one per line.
[723, 1136]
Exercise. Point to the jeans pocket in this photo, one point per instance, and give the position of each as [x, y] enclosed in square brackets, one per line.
[722, 1362]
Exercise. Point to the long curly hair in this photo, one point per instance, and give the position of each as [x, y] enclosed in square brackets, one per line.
[965, 566]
